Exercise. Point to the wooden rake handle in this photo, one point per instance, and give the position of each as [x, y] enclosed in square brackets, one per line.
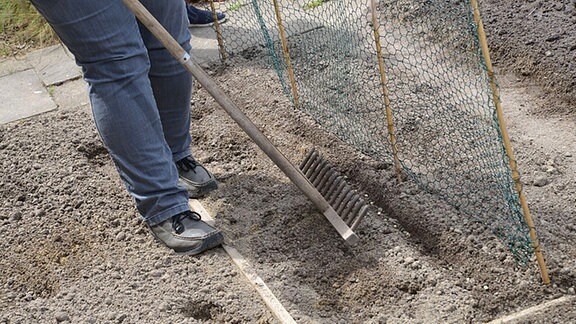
[241, 119]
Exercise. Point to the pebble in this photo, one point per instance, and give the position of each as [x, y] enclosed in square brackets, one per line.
[157, 273]
[550, 169]
[541, 180]
[16, 216]
[163, 306]
[121, 236]
[61, 317]
[121, 318]
[571, 290]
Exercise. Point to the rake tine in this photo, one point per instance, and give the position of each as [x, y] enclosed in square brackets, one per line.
[324, 185]
[322, 175]
[317, 170]
[312, 167]
[346, 215]
[306, 159]
[354, 212]
[333, 189]
[345, 198]
[339, 194]
[345, 201]
[312, 157]
[361, 215]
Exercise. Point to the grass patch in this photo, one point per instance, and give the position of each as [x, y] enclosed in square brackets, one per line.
[22, 28]
[235, 6]
[313, 4]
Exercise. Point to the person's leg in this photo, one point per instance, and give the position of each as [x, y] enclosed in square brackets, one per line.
[172, 85]
[171, 82]
[105, 39]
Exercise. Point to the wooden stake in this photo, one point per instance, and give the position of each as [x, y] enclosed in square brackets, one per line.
[384, 82]
[219, 38]
[286, 53]
[507, 144]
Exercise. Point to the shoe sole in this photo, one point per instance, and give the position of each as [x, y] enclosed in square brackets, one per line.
[208, 243]
[198, 191]
[208, 24]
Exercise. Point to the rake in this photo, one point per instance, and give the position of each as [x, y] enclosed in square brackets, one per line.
[321, 175]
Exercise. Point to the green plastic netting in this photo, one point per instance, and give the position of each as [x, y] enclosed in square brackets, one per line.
[448, 136]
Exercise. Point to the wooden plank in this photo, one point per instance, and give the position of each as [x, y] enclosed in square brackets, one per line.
[532, 310]
[247, 270]
[271, 301]
[196, 206]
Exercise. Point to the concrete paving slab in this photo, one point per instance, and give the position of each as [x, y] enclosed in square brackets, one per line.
[204, 45]
[242, 30]
[13, 65]
[54, 65]
[23, 95]
[71, 94]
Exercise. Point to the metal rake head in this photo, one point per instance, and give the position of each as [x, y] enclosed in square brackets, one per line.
[331, 184]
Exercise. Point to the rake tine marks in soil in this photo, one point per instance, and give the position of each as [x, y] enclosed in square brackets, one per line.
[268, 297]
[345, 201]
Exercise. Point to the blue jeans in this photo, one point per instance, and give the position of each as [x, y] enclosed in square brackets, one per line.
[140, 95]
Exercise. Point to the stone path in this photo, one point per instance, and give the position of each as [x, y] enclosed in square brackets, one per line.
[49, 78]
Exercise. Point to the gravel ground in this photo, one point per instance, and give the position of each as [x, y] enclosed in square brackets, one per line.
[73, 248]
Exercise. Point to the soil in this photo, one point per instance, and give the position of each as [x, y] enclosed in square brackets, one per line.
[74, 249]
[536, 40]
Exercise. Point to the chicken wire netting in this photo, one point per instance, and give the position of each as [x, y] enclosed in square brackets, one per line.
[445, 128]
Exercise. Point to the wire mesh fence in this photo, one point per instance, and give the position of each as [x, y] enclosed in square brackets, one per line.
[428, 108]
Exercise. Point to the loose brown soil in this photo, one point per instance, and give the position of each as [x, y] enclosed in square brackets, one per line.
[537, 40]
[74, 249]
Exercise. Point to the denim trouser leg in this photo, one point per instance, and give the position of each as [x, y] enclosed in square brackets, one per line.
[172, 84]
[140, 96]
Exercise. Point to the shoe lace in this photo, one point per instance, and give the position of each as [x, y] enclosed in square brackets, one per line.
[187, 164]
[177, 225]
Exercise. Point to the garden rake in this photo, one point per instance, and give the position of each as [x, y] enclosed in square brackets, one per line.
[330, 183]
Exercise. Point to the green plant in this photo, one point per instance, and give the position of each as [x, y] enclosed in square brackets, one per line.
[234, 6]
[313, 4]
[51, 89]
[22, 27]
